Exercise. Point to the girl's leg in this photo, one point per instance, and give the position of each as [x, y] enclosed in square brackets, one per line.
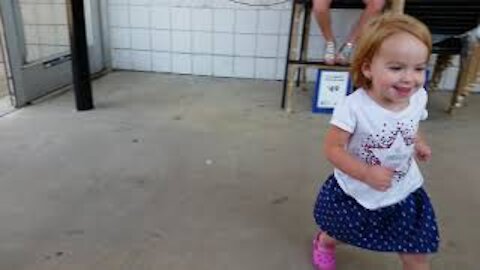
[415, 261]
[326, 241]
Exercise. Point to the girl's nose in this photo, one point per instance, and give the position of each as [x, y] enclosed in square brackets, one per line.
[408, 76]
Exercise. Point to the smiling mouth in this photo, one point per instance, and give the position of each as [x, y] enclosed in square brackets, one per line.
[403, 91]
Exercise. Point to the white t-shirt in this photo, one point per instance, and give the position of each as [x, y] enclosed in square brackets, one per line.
[381, 137]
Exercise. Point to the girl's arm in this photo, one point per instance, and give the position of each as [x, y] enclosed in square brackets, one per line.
[422, 150]
[377, 177]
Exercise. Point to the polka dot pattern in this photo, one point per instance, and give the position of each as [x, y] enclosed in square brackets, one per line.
[406, 227]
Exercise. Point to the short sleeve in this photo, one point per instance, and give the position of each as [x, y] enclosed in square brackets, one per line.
[423, 99]
[343, 116]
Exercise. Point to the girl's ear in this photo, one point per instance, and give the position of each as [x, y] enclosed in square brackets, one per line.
[366, 70]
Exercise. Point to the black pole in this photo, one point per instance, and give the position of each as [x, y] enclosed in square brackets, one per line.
[80, 64]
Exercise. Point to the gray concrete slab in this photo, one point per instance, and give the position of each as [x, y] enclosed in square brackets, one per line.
[180, 172]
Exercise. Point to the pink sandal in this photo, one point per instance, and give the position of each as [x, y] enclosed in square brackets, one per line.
[323, 257]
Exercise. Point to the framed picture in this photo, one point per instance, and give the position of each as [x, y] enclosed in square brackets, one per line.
[331, 88]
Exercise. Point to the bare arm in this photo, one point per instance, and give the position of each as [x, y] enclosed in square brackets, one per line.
[419, 138]
[335, 142]
[334, 147]
[422, 150]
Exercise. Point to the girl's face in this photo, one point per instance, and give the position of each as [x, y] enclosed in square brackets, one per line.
[397, 70]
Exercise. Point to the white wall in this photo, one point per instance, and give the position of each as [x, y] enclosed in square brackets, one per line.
[214, 37]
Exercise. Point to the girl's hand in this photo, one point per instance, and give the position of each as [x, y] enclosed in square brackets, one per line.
[423, 151]
[379, 177]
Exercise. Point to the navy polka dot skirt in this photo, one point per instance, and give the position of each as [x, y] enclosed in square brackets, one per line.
[406, 227]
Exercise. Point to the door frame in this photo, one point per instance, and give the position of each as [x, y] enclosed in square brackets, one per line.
[12, 49]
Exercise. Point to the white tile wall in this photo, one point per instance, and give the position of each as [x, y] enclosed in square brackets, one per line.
[223, 43]
[269, 22]
[181, 41]
[282, 46]
[162, 62]
[246, 21]
[265, 68]
[223, 66]
[285, 16]
[202, 64]
[281, 64]
[182, 63]
[181, 18]
[223, 20]
[160, 17]
[245, 44]
[119, 16]
[202, 20]
[142, 60]
[122, 59]
[140, 39]
[120, 38]
[202, 37]
[267, 46]
[161, 40]
[139, 16]
[244, 67]
[140, 2]
[202, 42]
[214, 37]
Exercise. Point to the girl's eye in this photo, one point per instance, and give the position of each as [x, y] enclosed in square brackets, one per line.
[395, 68]
[420, 68]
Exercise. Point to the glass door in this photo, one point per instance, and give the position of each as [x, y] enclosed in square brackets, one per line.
[38, 44]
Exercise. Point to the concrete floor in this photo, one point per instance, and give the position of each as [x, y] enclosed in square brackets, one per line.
[180, 172]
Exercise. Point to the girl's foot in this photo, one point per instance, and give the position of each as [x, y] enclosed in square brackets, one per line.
[329, 53]
[344, 55]
[323, 253]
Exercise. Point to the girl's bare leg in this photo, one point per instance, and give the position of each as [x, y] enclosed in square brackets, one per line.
[415, 261]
